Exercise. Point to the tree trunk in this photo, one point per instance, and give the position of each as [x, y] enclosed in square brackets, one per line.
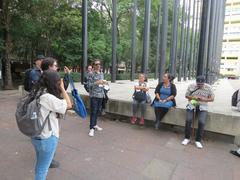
[7, 47]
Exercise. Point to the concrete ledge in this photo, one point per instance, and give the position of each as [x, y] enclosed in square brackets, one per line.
[217, 123]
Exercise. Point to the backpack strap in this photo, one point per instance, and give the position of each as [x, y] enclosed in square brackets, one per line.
[194, 91]
[49, 123]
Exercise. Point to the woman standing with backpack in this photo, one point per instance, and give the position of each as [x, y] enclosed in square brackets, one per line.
[54, 102]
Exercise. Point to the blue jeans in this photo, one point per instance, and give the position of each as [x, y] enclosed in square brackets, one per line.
[45, 149]
[96, 104]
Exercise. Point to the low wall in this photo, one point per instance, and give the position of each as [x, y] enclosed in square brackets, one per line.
[217, 123]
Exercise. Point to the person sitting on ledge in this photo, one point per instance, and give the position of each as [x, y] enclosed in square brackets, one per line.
[198, 95]
[165, 98]
[140, 98]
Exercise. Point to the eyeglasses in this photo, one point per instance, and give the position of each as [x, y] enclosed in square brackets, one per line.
[97, 64]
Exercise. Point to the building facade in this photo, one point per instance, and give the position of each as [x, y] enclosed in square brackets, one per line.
[230, 62]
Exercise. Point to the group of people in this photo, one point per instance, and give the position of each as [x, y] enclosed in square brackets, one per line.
[198, 95]
[45, 82]
[55, 101]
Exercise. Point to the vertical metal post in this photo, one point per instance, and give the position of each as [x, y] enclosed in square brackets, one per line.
[146, 37]
[195, 50]
[114, 40]
[164, 34]
[185, 64]
[192, 41]
[158, 43]
[133, 48]
[181, 43]
[203, 46]
[84, 39]
[173, 51]
[209, 72]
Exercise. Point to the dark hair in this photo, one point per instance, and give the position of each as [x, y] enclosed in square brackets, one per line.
[170, 77]
[95, 60]
[49, 80]
[48, 61]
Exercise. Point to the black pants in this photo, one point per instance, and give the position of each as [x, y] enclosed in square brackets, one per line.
[202, 115]
[160, 112]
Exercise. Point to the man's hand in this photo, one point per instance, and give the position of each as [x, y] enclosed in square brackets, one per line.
[67, 70]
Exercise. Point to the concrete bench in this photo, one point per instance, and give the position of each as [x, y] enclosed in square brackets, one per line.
[217, 123]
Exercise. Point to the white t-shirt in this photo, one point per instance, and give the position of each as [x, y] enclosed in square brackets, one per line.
[145, 84]
[51, 103]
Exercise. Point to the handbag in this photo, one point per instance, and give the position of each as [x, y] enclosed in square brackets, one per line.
[149, 99]
[79, 106]
[167, 104]
[139, 96]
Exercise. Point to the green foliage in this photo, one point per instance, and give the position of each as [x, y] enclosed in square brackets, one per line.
[54, 28]
[75, 76]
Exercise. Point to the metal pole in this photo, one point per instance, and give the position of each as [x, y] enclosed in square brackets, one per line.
[181, 43]
[185, 64]
[133, 50]
[146, 37]
[216, 30]
[192, 41]
[210, 42]
[84, 39]
[203, 38]
[114, 40]
[195, 47]
[158, 43]
[174, 38]
[163, 39]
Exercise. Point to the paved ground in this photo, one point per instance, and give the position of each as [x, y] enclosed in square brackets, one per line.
[120, 152]
[223, 90]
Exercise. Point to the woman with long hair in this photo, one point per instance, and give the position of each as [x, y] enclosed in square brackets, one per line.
[54, 102]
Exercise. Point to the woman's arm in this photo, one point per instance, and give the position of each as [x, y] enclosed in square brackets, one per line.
[65, 95]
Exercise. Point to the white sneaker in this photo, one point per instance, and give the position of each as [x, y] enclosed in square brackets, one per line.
[91, 133]
[98, 128]
[199, 145]
[185, 142]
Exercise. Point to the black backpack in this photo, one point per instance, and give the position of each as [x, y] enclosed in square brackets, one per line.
[235, 98]
[27, 80]
[140, 96]
[86, 84]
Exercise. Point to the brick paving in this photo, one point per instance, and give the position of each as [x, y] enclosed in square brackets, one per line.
[120, 152]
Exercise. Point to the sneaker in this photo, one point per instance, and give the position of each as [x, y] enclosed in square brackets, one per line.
[199, 145]
[54, 164]
[133, 120]
[185, 142]
[235, 153]
[141, 121]
[91, 133]
[98, 128]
